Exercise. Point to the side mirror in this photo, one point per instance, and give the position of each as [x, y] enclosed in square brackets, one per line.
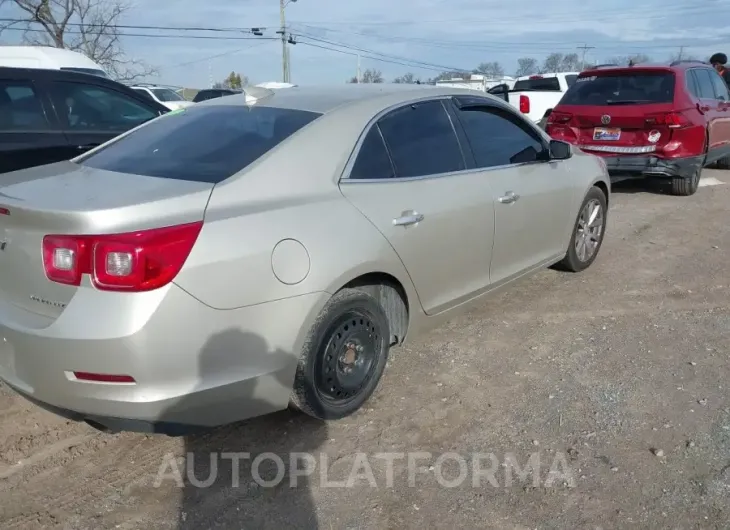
[500, 91]
[560, 150]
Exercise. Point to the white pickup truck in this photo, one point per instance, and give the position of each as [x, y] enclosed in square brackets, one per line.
[536, 95]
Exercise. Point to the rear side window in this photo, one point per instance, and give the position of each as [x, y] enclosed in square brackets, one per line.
[422, 140]
[621, 89]
[206, 144]
[570, 79]
[721, 89]
[703, 82]
[20, 108]
[373, 160]
[538, 83]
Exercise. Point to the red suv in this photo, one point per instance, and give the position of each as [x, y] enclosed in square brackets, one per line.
[649, 120]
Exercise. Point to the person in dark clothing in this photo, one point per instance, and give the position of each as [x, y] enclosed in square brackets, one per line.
[718, 62]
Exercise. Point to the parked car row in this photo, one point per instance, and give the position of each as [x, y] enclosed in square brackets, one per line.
[227, 260]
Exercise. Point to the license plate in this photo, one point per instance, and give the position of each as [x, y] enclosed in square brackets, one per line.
[600, 133]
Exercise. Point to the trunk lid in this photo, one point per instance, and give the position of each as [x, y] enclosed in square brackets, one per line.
[66, 198]
[620, 126]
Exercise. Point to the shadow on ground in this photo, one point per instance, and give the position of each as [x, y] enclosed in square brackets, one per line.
[240, 476]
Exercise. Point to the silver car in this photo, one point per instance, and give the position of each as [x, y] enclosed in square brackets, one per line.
[236, 257]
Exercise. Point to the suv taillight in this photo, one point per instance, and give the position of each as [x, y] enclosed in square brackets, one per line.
[672, 120]
[524, 104]
[559, 118]
[132, 262]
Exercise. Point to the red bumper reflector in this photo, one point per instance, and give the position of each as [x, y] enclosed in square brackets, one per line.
[104, 378]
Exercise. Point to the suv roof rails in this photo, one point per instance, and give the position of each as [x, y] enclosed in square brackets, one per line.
[606, 65]
[682, 61]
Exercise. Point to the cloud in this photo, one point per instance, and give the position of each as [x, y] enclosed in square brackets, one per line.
[422, 35]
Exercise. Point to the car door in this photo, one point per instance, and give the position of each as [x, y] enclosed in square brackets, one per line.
[709, 106]
[29, 132]
[91, 114]
[533, 197]
[409, 178]
[722, 128]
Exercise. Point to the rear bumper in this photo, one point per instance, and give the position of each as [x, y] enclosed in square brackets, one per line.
[652, 166]
[193, 366]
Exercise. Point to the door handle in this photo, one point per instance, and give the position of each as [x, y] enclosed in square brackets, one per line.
[408, 218]
[509, 198]
[703, 108]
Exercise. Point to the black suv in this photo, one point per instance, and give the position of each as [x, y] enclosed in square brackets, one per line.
[212, 93]
[52, 115]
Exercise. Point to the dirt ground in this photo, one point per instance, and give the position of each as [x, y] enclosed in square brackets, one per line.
[617, 377]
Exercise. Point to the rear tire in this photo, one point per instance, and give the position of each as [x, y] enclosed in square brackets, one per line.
[686, 186]
[723, 163]
[343, 358]
[586, 232]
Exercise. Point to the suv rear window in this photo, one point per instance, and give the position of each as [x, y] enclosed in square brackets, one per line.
[541, 83]
[621, 89]
[205, 144]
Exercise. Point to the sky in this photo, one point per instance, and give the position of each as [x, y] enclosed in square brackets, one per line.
[423, 37]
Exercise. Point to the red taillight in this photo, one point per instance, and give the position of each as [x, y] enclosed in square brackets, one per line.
[559, 118]
[524, 104]
[673, 120]
[134, 261]
[104, 378]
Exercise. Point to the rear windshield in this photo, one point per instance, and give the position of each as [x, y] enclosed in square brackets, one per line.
[92, 71]
[205, 144]
[621, 89]
[542, 83]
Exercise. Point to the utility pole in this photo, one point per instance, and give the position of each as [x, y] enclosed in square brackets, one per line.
[358, 68]
[282, 30]
[585, 48]
[681, 52]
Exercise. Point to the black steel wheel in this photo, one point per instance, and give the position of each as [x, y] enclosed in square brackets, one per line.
[344, 357]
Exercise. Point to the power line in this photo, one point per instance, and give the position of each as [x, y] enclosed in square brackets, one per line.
[216, 56]
[571, 15]
[365, 50]
[380, 59]
[147, 35]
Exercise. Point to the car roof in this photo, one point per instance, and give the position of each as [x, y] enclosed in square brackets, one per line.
[665, 67]
[323, 99]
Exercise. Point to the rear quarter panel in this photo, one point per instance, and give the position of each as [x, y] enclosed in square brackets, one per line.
[289, 194]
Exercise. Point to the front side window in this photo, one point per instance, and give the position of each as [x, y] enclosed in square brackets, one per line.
[422, 140]
[200, 143]
[721, 90]
[20, 108]
[97, 109]
[497, 138]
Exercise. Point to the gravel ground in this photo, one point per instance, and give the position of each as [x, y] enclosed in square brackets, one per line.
[612, 384]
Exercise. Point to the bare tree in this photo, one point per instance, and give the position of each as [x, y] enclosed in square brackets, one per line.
[624, 60]
[87, 26]
[369, 76]
[407, 79]
[526, 66]
[493, 69]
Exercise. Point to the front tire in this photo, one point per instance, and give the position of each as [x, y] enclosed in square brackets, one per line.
[343, 358]
[588, 232]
